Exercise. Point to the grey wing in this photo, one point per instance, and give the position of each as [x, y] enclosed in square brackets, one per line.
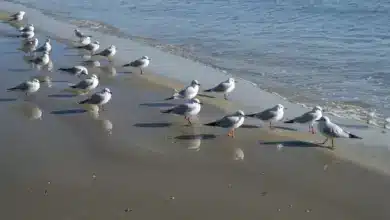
[333, 130]
[136, 63]
[221, 87]
[185, 92]
[105, 52]
[95, 98]
[22, 86]
[305, 118]
[266, 115]
[181, 109]
[226, 122]
[83, 84]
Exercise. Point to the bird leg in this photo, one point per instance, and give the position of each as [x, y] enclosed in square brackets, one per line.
[230, 134]
[188, 119]
[332, 144]
[225, 96]
[233, 133]
[270, 125]
[102, 106]
[141, 70]
[326, 140]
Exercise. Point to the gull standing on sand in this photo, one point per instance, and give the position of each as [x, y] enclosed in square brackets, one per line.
[331, 130]
[92, 47]
[232, 122]
[188, 92]
[42, 60]
[76, 70]
[28, 87]
[46, 47]
[108, 52]
[87, 84]
[17, 16]
[270, 115]
[30, 45]
[141, 63]
[308, 118]
[188, 110]
[225, 87]
[79, 34]
[27, 28]
[99, 98]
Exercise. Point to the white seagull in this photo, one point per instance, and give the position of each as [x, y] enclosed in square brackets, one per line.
[308, 118]
[30, 45]
[27, 34]
[331, 130]
[99, 98]
[188, 110]
[17, 16]
[85, 40]
[27, 28]
[28, 87]
[76, 70]
[46, 47]
[270, 115]
[188, 92]
[79, 34]
[232, 122]
[141, 63]
[92, 47]
[42, 60]
[225, 87]
[87, 84]
[108, 52]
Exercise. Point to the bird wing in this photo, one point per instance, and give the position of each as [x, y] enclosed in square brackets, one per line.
[83, 84]
[181, 109]
[227, 121]
[186, 91]
[96, 98]
[305, 118]
[22, 86]
[333, 130]
[137, 63]
[221, 87]
[105, 52]
[266, 114]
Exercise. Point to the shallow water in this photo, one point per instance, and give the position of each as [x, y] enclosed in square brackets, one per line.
[332, 53]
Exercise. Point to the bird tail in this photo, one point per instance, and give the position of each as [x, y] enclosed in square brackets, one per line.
[208, 90]
[211, 124]
[290, 121]
[166, 111]
[354, 136]
[251, 115]
[73, 86]
[128, 64]
[64, 69]
[174, 96]
[12, 89]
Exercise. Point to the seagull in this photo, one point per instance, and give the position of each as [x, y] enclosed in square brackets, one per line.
[142, 62]
[225, 87]
[92, 47]
[108, 52]
[27, 28]
[30, 45]
[27, 34]
[85, 40]
[331, 130]
[99, 98]
[188, 92]
[76, 70]
[232, 122]
[270, 115]
[188, 110]
[87, 84]
[308, 118]
[28, 87]
[17, 16]
[42, 60]
[46, 47]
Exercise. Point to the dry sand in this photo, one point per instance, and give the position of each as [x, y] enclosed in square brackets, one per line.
[131, 162]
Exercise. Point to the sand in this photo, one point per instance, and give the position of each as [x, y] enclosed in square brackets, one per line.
[130, 161]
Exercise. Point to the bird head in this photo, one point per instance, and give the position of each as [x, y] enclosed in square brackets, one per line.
[47, 40]
[317, 108]
[240, 113]
[97, 42]
[145, 58]
[280, 107]
[94, 76]
[22, 13]
[195, 83]
[324, 119]
[107, 90]
[231, 80]
[112, 47]
[35, 80]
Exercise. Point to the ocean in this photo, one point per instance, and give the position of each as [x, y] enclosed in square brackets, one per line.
[329, 53]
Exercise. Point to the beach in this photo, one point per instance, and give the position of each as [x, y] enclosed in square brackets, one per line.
[130, 161]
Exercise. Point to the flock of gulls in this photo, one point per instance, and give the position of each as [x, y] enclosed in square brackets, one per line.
[189, 109]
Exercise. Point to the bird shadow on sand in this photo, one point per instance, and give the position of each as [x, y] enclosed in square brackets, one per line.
[158, 104]
[69, 111]
[62, 95]
[8, 99]
[153, 125]
[206, 96]
[294, 143]
[196, 137]
[285, 128]
[249, 126]
[18, 70]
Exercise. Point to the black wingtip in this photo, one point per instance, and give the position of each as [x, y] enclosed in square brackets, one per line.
[354, 136]
[208, 90]
[166, 111]
[126, 65]
[84, 101]
[290, 121]
[211, 124]
[170, 98]
[251, 115]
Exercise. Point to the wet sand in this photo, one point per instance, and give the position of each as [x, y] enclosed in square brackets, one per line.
[130, 161]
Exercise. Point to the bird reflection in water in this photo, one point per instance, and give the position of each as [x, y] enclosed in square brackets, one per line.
[31, 111]
[238, 154]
